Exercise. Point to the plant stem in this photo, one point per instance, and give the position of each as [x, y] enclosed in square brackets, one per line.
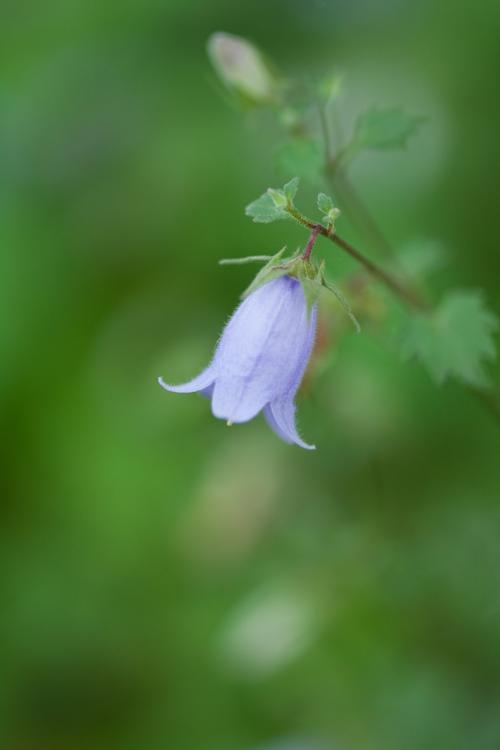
[312, 239]
[349, 197]
[404, 293]
[361, 216]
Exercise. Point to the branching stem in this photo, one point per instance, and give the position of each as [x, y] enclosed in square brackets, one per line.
[406, 294]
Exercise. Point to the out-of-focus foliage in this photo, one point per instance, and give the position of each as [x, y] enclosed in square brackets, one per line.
[166, 581]
[455, 339]
[382, 129]
[300, 156]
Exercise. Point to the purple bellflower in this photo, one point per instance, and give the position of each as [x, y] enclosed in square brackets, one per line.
[260, 359]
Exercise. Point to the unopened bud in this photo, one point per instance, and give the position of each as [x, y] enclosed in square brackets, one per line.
[332, 216]
[242, 68]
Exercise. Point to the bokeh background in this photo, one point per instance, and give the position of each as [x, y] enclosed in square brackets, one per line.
[168, 582]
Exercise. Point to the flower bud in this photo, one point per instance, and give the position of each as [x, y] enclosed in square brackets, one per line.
[242, 68]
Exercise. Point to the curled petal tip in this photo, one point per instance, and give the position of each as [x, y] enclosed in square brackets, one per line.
[200, 383]
[281, 418]
[302, 444]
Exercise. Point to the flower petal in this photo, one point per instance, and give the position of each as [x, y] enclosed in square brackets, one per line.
[266, 340]
[237, 400]
[199, 383]
[247, 334]
[275, 426]
[207, 392]
[302, 353]
[281, 418]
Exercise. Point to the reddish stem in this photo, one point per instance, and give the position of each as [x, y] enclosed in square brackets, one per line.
[310, 242]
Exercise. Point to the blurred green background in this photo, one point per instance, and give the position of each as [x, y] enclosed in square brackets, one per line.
[170, 583]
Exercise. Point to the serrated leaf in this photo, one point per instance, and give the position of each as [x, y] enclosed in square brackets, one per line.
[325, 203]
[383, 129]
[456, 340]
[290, 189]
[302, 157]
[264, 211]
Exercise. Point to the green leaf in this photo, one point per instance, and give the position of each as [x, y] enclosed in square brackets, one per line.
[290, 189]
[325, 203]
[264, 211]
[383, 129]
[278, 197]
[302, 157]
[456, 340]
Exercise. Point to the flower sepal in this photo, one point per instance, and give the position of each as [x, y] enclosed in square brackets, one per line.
[275, 267]
[311, 276]
[313, 280]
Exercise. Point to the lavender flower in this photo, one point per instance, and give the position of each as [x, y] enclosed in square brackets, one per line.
[260, 359]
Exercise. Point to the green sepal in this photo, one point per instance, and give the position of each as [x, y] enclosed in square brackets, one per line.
[340, 297]
[309, 275]
[272, 270]
[242, 261]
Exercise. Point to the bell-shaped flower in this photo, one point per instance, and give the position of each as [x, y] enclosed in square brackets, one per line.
[260, 359]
